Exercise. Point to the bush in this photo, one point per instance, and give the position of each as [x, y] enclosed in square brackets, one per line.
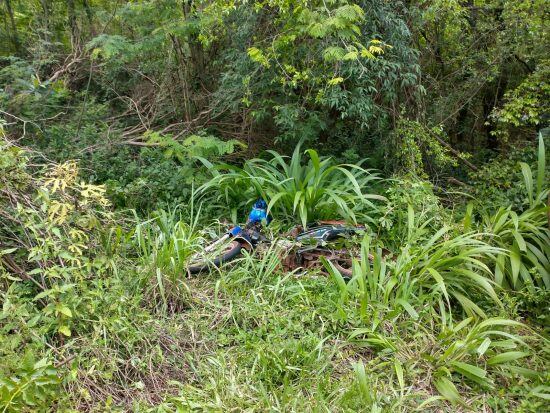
[409, 194]
[298, 189]
[524, 236]
[500, 182]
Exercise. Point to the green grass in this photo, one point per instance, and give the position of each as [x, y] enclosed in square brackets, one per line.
[301, 188]
[262, 340]
[253, 337]
[428, 326]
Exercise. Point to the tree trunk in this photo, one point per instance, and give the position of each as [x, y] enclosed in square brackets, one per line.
[89, 16]
[71, 15]
[45, 19]
[14, 34]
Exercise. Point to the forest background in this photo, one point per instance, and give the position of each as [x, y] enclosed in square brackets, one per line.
[116, 119]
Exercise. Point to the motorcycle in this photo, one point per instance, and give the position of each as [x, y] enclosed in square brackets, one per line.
[304, 251]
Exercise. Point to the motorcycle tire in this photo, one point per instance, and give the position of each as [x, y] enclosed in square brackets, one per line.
[234, 249]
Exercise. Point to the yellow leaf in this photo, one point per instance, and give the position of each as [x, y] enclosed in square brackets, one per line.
[335, 81]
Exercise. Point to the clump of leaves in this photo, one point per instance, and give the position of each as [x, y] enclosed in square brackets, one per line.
[298, 188]
[524, 236]
[448, 268]
[525, 106]
[56, 250]
[501, 182]
[34, 385]
[475, 351]
[196, 145]
[165, 243]
[418, 148]
[408, 195]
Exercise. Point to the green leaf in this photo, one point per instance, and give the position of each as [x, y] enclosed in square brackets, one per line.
[519, 240]
[541, 165]
[335, 80]
[524, 371]
[468, 216]
[353, 55]
[361, 376]
[470, 371]
[447, 389]
[410, 221]
[317, 30]
[258, 56]
[506, 357]
[469, 306]
[333, 53]
[528, 180]
[43, 294]
[409, 308]
[484, 346]
[399, 372]
[440, 283]
[63, 309]
[41, 364]
[462, 324]
[538, 392]
[64, 330]
[342, 286]
[515, 261]
[500, 266]
[274, 200]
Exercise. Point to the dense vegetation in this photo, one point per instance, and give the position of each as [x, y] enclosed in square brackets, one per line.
[132, 132]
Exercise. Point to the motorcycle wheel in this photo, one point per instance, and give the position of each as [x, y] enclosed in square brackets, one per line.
[232, 250]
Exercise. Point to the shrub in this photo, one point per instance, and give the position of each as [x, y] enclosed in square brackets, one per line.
[34, 384]
[164, 244]
[51, 252]
[526, 240]
[298, 189]
[500, 182]
[408, 195]
[446, 267]
[525, 236]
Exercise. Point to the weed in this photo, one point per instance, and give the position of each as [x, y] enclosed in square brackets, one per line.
[299, 189]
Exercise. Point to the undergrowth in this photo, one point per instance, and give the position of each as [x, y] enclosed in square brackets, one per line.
[98, 313]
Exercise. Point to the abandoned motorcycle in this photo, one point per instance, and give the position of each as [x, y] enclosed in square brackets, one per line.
[305, 251]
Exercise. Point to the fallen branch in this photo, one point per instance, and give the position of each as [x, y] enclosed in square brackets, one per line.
[453, 151]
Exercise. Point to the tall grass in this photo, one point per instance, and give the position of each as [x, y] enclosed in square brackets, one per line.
[374, 284]
[526, 240]
[524, 236]
[299, 188]
[474, 352]
[448, 267]
[418, 282]
[165, 243]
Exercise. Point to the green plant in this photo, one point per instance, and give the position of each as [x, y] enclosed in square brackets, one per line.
[474, 349]
[453, 265]
[499, 181]
[526, 240]
[380, 291]
[409, 195]
[525, 236]
[130, 93]
[165, 244]
[418, 148]
[199, 145]
[526, 105]
[448, 265]
[299, 189]
[33, 386]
